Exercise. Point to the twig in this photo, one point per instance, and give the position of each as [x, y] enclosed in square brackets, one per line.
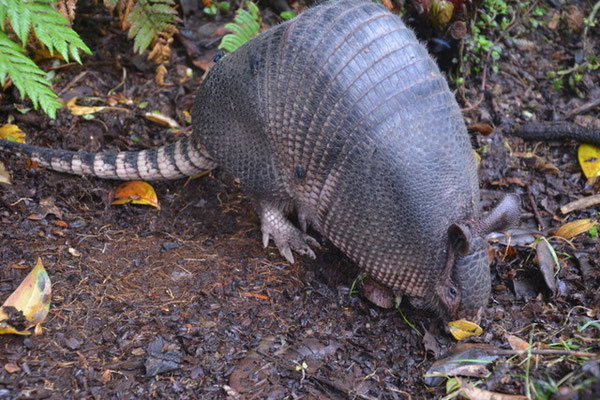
[541, 352]
[580, 204]
[73, 82]
[536, 211]
[583, 108]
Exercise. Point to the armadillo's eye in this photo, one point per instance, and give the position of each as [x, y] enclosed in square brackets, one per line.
[452, 293]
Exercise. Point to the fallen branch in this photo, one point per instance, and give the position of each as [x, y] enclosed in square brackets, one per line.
[558, 130]
[580, 204]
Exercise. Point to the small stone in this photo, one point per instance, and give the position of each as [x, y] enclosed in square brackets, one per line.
[166, 246]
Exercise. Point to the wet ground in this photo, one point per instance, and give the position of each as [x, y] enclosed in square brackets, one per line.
[185, 303]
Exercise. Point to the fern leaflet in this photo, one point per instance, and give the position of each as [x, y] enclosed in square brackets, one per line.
[26, 76]
[245, 26]
[50, 27]
[147, 18]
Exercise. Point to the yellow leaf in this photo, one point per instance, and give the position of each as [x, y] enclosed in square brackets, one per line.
[6, 329]
[589, 159]
[162, 119]
[12, 133]
[136, 192]
[462, 329]
[474, 393]
[81, 110]
[31, 298]
[477, 158]
[574, 228]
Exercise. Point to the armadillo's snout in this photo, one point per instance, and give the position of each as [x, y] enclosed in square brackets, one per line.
[471, 275]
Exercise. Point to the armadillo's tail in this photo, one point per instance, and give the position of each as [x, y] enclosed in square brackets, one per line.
[180, 159]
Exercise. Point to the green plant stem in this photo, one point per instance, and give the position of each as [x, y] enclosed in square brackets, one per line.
[591, 17]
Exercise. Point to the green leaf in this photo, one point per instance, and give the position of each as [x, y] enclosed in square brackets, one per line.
[287, 15]
[246, 26]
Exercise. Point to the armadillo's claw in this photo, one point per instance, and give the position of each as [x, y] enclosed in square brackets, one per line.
[305, 218]
[312, 242]
[286, 236]
[287, 253]
[302, 222]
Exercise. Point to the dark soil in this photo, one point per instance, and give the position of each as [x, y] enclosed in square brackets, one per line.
[185, 302]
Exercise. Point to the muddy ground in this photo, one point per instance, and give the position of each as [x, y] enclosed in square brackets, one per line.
[185, 303]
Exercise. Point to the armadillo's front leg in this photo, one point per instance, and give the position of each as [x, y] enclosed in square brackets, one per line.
[275, 225]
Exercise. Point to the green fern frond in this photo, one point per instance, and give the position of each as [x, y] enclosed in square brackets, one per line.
[147, 18]
[51, 29]
[26, 76]
[246, 25]
[49, 26]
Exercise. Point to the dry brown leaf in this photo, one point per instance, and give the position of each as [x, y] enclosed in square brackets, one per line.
[517, 343]
[67, 8]
[159, 76]
[136, 192]
[123, 10]
[532, 160]
[106, 375]
[4, 174]
[45, 207]
[574, 228]
[465, 354]
[474, 393]
[161, 47]
[31, 299]
[431, 344]
[11, 367]
[471, 370]
[60, 223]
[483, 128]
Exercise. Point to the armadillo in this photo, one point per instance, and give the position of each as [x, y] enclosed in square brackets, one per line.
[340, 115]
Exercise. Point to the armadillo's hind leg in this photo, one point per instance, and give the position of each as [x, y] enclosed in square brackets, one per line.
[276, 226]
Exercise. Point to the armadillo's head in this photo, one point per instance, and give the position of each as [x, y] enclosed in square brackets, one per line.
[471, 277]
[464, 287]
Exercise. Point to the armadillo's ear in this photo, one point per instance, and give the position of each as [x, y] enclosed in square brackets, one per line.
[503, 216]
[460, 238]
